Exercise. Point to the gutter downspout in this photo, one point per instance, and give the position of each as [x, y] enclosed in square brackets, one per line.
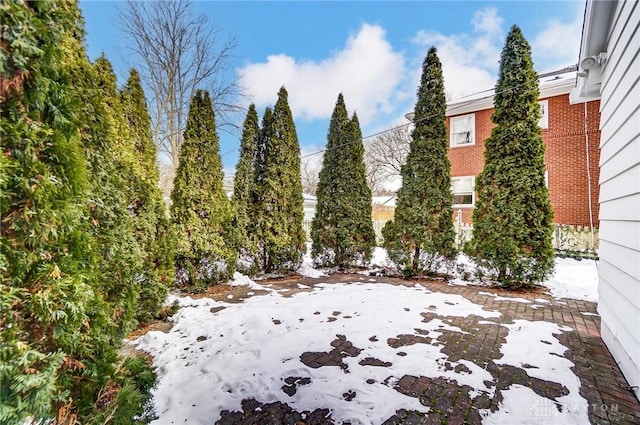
[589, 195]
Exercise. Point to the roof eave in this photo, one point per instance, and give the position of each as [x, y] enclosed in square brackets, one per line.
[547, 89]
[595, 34]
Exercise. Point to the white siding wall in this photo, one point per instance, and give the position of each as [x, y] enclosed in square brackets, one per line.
[619, 289]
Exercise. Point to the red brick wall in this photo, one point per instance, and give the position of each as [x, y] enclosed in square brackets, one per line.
[565, 158]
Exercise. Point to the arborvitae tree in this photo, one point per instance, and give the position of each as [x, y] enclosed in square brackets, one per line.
[58, 334]
[421, 235]
[118, 259]
[45, 293]
[342, 230]
[201, 211]
[284, 131]
[278, 194]
[513, 218]
[136, 112]
[243, 186]
[365, 235]
[152, 228]
[116, 200]
[264, 215]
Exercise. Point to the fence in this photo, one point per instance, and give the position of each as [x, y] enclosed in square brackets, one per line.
[575, 241]
[377, 227]
[570, 241]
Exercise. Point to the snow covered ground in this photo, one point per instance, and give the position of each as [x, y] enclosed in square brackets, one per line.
[214, 358]
[574, 279]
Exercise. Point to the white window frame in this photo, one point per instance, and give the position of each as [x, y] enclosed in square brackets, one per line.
[471, 130]
[472, 192]
[543, 123]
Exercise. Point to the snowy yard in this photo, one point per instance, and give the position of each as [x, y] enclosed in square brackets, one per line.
[339, 346]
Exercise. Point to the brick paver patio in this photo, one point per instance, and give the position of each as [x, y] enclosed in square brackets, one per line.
[609, 398]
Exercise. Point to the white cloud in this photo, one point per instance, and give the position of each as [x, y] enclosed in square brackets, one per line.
[469, 61]
[487, 21]
[557, 45]
[367, 71]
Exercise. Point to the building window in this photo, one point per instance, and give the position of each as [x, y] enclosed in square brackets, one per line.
[463, 130]
[462, 189]
[544, 110]
[546, 178]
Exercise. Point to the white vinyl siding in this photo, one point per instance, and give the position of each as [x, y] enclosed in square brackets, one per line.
[462, 189]
[463, 130]
[625, 159]
[619, 252]
[623, 209]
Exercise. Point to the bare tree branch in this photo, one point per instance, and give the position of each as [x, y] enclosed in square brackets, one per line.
[384, 156]
[180, 51]
[310, 173]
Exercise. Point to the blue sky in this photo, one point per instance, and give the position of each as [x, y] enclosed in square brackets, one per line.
[370, 51]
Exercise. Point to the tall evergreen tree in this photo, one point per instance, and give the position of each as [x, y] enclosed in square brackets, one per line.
[45, 293]
[58, 332]
[201, 211]
[342, 230]
[118, 256]
[264, 215]
[513, 217]
[146, 204]
[243, 187]
[421, 235]
[284, 132]
[278, 191]
[365, 234]
[114, 165]
[136, 112]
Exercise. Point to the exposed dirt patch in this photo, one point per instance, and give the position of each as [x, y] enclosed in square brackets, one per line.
[211, 291]
[294, 279]
[534, 290]
[158, 325]
[129, 350]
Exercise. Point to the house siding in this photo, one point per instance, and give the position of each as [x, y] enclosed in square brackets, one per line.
[565, 159]
[619, 287]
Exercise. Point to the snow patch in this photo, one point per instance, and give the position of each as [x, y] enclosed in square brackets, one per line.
[306, 268]
[542, 359]
[191, 302]
[379, 257]
[240, 279]
[499, 298]
[458, 282]
[522, 406]
[577, 279]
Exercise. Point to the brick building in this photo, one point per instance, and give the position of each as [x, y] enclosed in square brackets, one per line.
[566, 130]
